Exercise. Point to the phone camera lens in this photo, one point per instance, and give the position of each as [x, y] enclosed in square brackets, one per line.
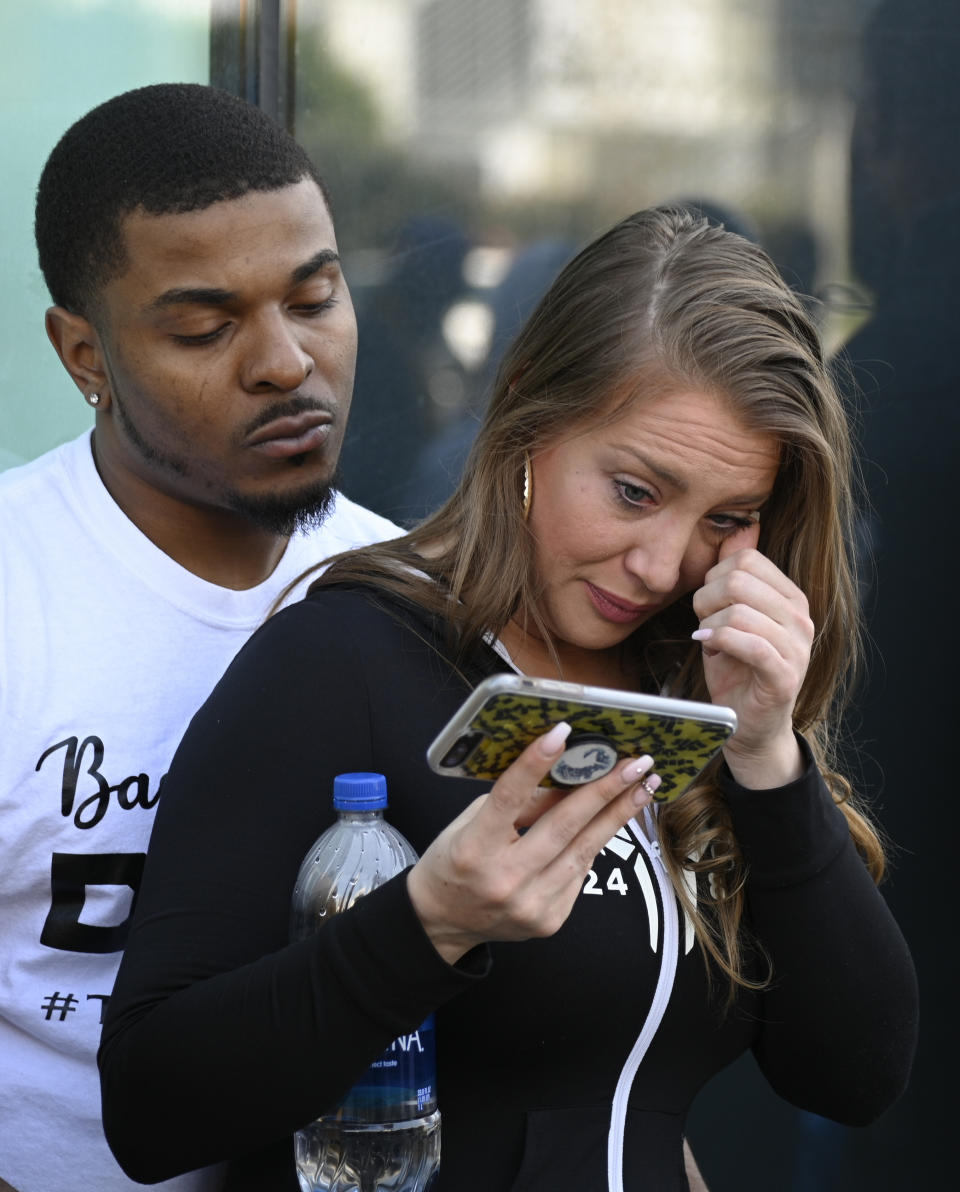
[460, 750]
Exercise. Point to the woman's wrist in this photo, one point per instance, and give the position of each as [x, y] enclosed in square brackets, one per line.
[450, 943]
[774, 765]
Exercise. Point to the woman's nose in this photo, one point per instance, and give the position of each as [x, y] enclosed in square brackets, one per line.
[657, 560]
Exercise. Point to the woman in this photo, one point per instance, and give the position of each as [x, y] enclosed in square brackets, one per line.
[659, 499]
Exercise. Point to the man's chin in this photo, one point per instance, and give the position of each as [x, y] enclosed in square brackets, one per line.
[284, 513]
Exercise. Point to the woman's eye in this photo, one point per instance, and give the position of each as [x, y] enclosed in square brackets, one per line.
[729, 523]
[633, 494]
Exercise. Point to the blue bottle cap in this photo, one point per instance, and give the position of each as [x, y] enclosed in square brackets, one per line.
[359, 792]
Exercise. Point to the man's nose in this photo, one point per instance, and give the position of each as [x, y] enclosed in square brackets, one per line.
[274, 358]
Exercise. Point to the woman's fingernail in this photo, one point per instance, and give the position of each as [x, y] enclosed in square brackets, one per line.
[646, 789]
[553, 741]
[637, 768]
[702, 635]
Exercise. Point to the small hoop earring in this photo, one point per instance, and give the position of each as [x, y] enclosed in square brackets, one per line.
[527, 485]
[93, 399]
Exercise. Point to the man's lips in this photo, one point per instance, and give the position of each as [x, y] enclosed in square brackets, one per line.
[615, 608]
[291, 435]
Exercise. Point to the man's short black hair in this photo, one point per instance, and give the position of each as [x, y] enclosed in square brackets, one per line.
[163, 149]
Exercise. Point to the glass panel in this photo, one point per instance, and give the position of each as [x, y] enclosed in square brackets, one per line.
[60, 58]
[470, 148]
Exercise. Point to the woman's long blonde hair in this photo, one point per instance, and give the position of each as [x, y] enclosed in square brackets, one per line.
[663, 300]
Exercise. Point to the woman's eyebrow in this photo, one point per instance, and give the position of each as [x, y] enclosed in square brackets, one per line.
[682, 485]
[659, 471]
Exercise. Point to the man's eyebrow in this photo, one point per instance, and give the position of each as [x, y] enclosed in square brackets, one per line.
[319, 261]
[191, 296]
[211, 296]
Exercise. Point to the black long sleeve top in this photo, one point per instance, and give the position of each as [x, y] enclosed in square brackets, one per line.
[222, 1038]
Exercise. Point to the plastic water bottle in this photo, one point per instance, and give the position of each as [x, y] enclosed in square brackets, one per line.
[385, 1134]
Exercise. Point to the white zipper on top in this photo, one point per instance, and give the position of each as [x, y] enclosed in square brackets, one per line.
[664, 987]
[658, 1005]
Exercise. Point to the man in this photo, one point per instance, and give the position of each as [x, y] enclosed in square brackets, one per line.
[200, 308]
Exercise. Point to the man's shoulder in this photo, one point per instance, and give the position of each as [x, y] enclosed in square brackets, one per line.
[25, 477]
[47, 472]
[348, 525]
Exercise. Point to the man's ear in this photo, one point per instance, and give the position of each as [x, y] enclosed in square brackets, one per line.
[77, 343]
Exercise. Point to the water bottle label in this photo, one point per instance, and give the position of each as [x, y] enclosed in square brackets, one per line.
[401, 1084]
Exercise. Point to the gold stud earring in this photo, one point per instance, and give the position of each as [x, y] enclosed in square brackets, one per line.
[527, 485]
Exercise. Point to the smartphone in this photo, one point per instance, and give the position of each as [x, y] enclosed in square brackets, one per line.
[506, 712]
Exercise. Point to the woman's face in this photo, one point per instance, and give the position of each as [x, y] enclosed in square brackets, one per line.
[630, 517]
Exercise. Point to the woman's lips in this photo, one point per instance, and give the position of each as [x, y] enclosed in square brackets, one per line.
[291, 436]
[615, 608]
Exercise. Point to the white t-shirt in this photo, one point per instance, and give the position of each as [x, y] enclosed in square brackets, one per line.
[108, 647]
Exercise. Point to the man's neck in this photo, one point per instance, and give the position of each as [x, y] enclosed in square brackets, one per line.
[221, 546]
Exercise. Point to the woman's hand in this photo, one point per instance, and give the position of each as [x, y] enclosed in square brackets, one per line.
[481, 879]
[757, 635]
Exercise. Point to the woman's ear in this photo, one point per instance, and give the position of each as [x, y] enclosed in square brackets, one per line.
[77, 343]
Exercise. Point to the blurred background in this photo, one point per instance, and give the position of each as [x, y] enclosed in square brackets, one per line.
[471, 148]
